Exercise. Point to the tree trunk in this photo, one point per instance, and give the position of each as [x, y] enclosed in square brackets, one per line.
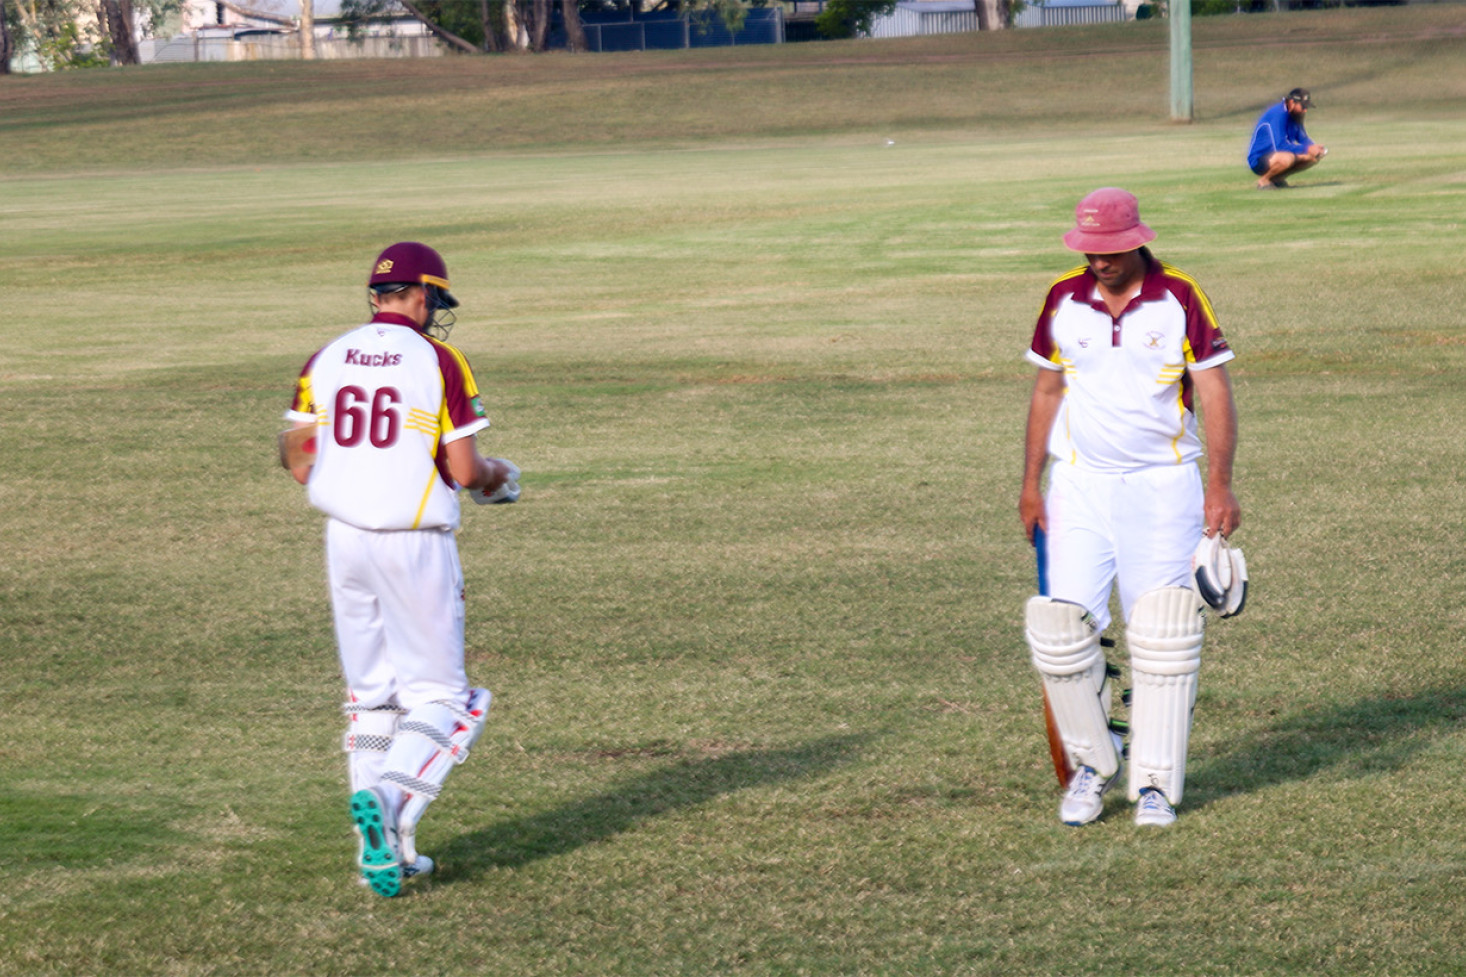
[988, 17]
[518, 37]
[540, 25]
[446, 36]
[574, 33]
[6, 45]
[307, 30]
[117, 17]
[491, 36]
[130, 20]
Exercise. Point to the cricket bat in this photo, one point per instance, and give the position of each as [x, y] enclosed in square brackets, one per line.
[298, 447]
[1057, 753]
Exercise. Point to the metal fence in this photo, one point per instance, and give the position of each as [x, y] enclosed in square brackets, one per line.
[634, 32]
[1099, 13]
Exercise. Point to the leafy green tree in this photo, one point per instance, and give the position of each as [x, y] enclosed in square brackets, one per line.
[733, 13]
[470, 26]
[76, 33]
[70, 46]
[474, 26]
[53, 31]
[851, 18]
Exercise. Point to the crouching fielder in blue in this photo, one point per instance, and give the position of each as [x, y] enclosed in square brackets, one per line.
[1126, 348]
[386, 419]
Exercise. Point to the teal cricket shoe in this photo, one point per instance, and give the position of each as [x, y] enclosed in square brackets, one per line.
[376, 830]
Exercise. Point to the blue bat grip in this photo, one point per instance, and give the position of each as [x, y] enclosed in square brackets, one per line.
[1041, 559]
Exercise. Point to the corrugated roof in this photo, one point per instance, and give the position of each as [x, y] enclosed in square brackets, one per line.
[937, 6]
[289, 9]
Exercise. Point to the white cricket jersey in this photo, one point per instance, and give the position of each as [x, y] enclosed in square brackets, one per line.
[386, 400]
[1127, 389]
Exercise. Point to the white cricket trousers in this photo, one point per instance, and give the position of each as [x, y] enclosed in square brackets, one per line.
[397, 599]
[1140, 528]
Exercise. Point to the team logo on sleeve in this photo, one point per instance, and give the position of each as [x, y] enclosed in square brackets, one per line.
[478, 407]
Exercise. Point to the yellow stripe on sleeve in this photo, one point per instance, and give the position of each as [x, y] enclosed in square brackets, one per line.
[304, 398]
[470, 385]
[1202, 300]
[1072, 273]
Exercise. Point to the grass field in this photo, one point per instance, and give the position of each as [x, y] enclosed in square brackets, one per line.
[752, 323]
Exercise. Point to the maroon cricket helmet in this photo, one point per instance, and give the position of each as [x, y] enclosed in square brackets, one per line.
[411, 263]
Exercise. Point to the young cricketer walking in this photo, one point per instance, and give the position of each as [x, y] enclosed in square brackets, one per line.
[386, 423]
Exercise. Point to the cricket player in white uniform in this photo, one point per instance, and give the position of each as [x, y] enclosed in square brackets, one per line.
[1126, 349]
[386, 423]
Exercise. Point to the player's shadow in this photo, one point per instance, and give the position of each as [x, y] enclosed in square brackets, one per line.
[683, 784]
[1373, 735]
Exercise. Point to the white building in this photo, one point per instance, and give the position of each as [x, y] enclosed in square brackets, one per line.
[912, 18]
[265, 15]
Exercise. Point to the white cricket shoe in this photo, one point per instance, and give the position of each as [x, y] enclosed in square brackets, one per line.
[1154, 808]
[1085, 798]
[422, 866]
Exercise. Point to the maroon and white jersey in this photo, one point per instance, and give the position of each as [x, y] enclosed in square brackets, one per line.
[1127, 385]
[386, 400]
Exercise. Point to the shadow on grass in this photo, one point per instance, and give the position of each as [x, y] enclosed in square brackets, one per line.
[682, 785]
[1360, 738]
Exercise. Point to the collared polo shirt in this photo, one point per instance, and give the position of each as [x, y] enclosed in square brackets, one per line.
[1127, 384]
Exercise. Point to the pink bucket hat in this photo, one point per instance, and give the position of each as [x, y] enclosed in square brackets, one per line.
[1107, 221]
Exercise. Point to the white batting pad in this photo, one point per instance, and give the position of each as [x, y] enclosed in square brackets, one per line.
[431, 740]
[1065, 643]
[369, 735]
[1164, 636]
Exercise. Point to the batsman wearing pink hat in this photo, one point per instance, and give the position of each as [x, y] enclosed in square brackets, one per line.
[1127, 349]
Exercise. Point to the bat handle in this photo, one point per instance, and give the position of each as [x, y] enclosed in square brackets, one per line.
[1041, 558]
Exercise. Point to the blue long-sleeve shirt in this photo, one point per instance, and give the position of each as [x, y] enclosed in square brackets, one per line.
[1276, 130]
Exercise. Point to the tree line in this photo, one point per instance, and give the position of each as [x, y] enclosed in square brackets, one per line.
[76, 33]
[87, 33]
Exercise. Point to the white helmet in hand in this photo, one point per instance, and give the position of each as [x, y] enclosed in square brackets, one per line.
[506, 492]
[1219, 575]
